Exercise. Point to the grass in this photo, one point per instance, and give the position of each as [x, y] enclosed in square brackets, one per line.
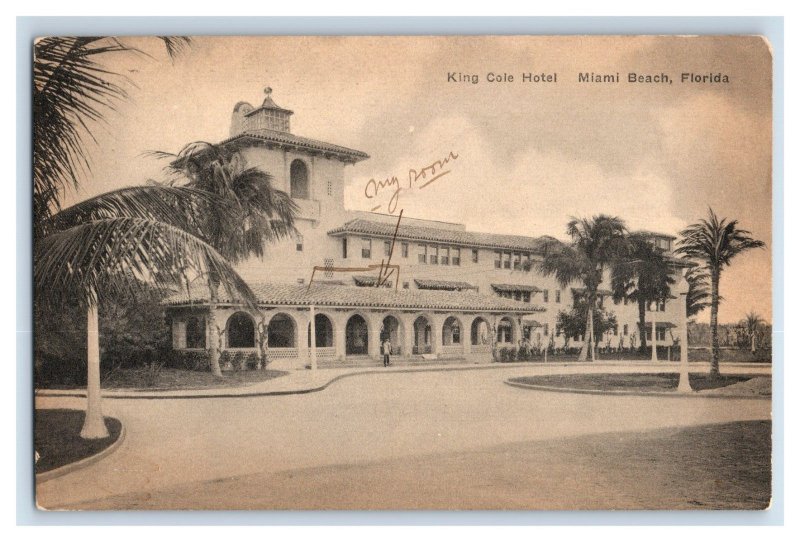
[181, 379]
[719, 466]
[632, 381]
[56, 436]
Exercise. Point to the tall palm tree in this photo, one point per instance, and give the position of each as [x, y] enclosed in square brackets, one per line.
[256, 214]
[109, 245]
[752, 322]
[714, 242]
[643, 276]
[596, 244]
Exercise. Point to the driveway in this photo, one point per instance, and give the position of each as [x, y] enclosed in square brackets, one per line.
[365, 418]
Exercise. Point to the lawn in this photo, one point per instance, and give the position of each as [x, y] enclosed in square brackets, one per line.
[182, 379]
[56, 436]
[635, 382]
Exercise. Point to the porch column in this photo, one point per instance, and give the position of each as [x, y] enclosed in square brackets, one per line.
[339, 335]
[374, 321]
[436, 334]
[313, 347]
[302, 339]
[408, 334]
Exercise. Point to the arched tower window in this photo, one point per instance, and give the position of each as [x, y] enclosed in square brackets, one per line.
[298, 174]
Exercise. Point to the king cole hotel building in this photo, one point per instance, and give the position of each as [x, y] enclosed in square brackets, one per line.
[324, 298]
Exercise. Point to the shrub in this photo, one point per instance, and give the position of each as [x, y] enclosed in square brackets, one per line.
[512, 353]
[252, 361]
[238, 360]
[225, 360]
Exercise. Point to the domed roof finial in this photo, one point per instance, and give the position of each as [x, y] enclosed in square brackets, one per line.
[268, 91]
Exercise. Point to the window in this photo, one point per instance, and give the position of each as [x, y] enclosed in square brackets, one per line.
[195, 332]
[330, 187]
[434, 259]
[558, 296]
[527, 265]
[625, 329]
[546, 296]
[366, 248]
[344, 248]
[445, 256]
[474, 255]
[616, 330]
[546, 330]
[517, 296]
[299, 243]
[298, 175]
[405, 285]
[662, 306]
[661, 334]
[517, 261]
[526, 297]
[498, 258]
[387, 247]
[456, 256]
[404, 250]
[423, 253]
[506, 260]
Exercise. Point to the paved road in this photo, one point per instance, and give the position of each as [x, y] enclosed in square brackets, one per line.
[360, 419]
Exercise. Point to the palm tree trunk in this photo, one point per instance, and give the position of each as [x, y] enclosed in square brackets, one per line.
[213, 347]
[94, 426]
[714, 331]
[642, 326]
[591, 332]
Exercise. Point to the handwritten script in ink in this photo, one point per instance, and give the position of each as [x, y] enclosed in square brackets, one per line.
[417, 179]
[386, 270]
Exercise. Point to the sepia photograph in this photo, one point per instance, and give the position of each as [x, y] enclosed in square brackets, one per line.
[402, 272]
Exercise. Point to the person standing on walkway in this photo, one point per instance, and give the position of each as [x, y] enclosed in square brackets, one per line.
[387, 349]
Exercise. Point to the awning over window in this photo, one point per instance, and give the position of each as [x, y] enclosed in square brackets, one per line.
[515, 288]
[449, 285]
[530, 322]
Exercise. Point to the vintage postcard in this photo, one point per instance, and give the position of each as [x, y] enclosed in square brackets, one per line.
[403, 273]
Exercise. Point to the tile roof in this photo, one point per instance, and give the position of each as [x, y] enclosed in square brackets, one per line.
[453, 237]
[431, 284]
[353, 296]
[516, 288]
[286, 138]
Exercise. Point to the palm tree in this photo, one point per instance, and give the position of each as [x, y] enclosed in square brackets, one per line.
[596, 244]
[714, 242]
[109, 245]
[256, 213]
[643, 276]
[752, 323]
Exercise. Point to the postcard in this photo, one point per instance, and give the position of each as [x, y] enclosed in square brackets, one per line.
[402, 273]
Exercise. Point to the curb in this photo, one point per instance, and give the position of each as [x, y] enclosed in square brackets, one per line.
[212, 394]
[675, 395]
[83, 463]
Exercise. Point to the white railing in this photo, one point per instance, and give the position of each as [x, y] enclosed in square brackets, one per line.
[324, 352]
[282, 353]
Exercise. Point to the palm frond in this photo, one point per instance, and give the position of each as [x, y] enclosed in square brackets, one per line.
[112, 257]
[181, 207]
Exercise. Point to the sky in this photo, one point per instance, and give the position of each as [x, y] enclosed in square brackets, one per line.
[530, 155]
